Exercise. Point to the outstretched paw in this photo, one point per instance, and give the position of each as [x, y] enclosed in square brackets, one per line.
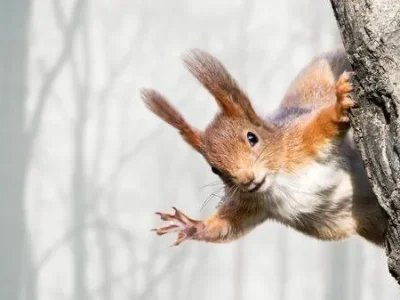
[344, 102]
[186, 227]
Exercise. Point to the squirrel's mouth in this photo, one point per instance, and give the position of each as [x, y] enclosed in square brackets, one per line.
[257, 185]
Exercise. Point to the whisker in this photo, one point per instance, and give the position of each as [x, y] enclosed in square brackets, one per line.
[211, 196]
[208, 199]
[212, 184]
[258, 156]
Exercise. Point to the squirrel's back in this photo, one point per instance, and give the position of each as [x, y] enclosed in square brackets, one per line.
[315, 85]
[344, 203]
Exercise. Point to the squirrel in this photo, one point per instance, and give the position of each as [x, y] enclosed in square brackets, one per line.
[299, 166]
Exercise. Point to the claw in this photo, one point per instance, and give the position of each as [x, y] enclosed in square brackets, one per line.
[182, 217]
[166, 229]
[344, 101]
[186, 227]
[351, 74]
[165, 216]
[181, 237]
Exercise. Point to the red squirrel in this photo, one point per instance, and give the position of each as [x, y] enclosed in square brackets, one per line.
[299, 166]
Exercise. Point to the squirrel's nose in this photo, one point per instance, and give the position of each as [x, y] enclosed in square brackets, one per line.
[248, 182]
[246, 178]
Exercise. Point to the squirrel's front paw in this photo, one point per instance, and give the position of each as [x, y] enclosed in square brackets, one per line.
[344, 86]
[186, 227]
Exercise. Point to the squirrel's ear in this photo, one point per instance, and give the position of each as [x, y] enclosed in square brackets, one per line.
[159, 105]
[217, 80]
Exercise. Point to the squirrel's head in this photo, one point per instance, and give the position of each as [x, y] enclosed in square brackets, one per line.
[241, 148]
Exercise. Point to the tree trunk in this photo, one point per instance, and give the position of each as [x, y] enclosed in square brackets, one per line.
[79, 182]
[78, 211]
[356, 281]
[283, 265]
[371, 34]
[337, 279]
[14, 20]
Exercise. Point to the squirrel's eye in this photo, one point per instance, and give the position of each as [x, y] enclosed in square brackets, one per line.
[216, 171]
[252, 138]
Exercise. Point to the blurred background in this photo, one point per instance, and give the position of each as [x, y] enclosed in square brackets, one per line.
[84, 165]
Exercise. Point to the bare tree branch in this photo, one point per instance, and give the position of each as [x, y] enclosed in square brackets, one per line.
[52, 74]
[132, 271]
[150, 287]
[59, 15]
[99, 224]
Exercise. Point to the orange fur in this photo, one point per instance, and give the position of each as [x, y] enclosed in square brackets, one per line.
[315, 85]
[320, 92]
[310, 134]
[331, 120]
[217, 80]
[230, 222]
[160, 106]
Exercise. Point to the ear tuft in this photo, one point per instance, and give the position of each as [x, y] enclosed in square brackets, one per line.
[217, 80]
[159, 105]
[214, 77]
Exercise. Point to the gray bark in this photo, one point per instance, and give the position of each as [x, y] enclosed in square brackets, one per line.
[370, 31]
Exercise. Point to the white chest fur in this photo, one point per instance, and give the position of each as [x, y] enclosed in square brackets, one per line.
[320, 184]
